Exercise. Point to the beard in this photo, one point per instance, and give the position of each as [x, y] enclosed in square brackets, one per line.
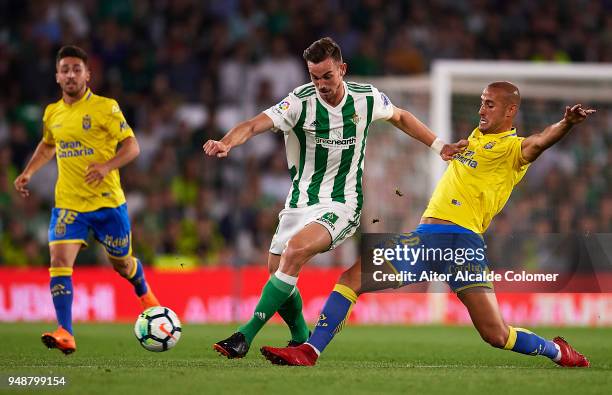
[73, 89]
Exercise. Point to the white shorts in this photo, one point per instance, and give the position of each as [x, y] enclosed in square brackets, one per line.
[340, 220]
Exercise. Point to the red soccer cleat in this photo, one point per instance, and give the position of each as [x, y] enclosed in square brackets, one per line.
[570, 358]
[302, 355]
[60, 339]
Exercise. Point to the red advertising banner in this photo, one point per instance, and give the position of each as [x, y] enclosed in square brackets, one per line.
[225, 294]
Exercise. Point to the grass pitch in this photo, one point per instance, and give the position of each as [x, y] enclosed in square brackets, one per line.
[362, 359]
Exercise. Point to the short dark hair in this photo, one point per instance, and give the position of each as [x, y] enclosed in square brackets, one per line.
[71, 51]
[322, 49]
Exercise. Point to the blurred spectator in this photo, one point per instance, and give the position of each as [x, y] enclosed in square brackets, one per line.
[281, 69]
[367, 59]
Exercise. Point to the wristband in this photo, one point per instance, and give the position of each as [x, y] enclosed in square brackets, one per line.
[437, 145]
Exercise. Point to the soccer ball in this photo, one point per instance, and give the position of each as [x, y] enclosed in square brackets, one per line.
[157, 329]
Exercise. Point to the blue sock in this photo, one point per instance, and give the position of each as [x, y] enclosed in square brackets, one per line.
[333, 316]
[62, 294]
[137, 278]
[526, 342]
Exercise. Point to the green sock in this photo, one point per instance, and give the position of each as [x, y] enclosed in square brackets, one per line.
[291, 311]
[274, 294]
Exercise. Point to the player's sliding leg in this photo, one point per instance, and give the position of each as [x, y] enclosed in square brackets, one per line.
[131, 269]
[63, 256]
[484, 311]
[311, 240]
[337, 309]
[291, 309]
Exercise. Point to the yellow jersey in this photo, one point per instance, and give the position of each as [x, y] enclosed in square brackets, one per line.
[478, 182]
[83, 133]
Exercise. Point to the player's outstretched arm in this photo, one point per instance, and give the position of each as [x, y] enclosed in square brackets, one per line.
[239, 134]
[409, 124]
[534, 145]
[125, 154]
[43, 154]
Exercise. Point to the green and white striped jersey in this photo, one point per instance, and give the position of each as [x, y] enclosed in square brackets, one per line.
[326, 145]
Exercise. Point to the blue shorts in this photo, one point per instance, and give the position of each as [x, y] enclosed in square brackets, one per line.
[449, 250]
[110, 226]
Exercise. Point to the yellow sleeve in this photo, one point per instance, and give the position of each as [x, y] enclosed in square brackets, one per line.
[47, 137]
[116, 124]
[515, 153]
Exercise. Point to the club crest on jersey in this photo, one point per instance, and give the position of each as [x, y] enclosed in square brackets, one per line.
[86, 122]
[356, 119]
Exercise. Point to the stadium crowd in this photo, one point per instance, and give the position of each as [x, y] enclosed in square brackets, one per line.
[185, 71]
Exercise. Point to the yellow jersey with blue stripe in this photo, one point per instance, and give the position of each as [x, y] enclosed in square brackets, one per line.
[479, 181]
[83, 133]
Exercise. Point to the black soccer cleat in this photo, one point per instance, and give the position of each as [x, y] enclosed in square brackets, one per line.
[293, 343]
[234, 346]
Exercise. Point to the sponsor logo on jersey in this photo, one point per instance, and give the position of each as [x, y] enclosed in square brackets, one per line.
[467, 158]
[86, 122]
[456, 202]
[315, 124]
[330, 219]
[70, 149]
[335, 140]
[336, 143]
